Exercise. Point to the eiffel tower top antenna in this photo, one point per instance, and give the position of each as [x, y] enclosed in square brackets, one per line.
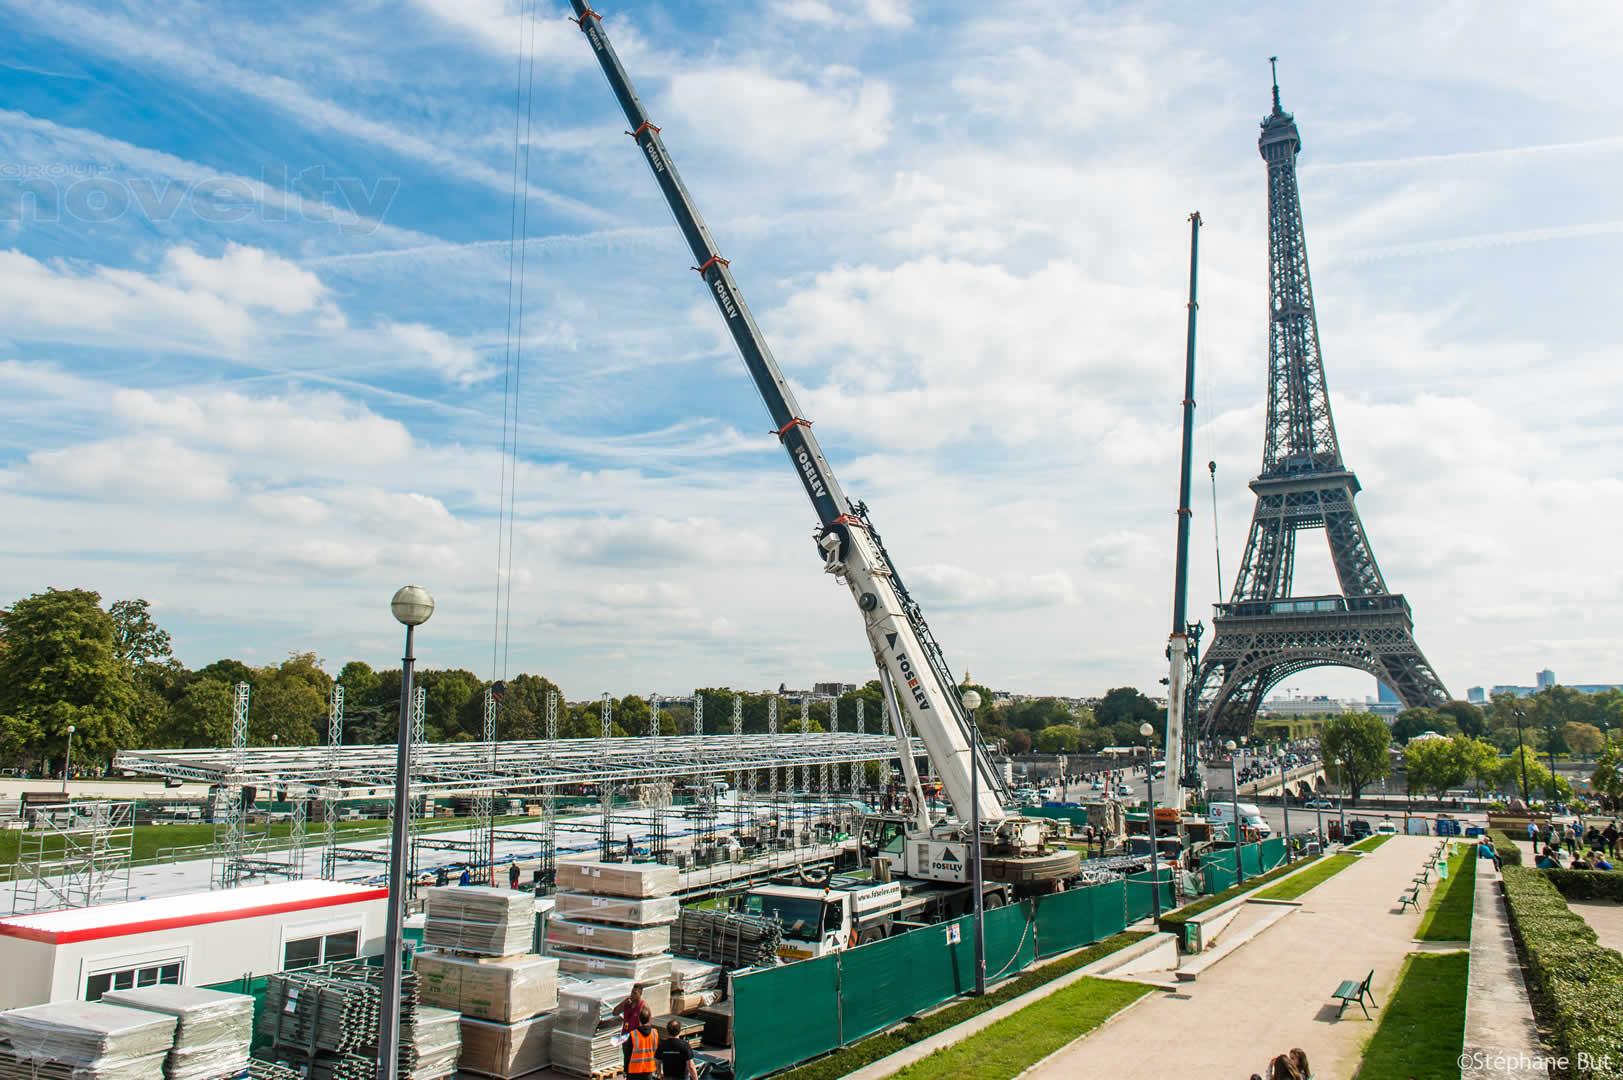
[1273, 62]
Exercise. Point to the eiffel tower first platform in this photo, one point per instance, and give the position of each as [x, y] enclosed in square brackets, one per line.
[1264, 634]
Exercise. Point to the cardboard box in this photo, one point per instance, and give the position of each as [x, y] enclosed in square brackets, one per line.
[506, 1050]
[505, 990]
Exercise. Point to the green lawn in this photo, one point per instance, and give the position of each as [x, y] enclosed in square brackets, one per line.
[1448, 916]
[1370, 843]
[849, 1059]
[1007, 1047]
[1295, 886]
[1422, 1026]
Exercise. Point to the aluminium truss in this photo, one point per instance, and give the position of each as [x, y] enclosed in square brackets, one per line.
[369, 771]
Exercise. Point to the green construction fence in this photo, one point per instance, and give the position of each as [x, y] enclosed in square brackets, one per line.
[785, 1015]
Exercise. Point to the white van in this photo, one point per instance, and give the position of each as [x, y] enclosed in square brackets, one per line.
[1222, 813]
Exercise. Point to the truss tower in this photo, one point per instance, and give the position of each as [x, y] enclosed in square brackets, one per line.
[1265, 634]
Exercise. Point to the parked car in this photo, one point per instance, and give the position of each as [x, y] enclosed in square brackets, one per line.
[1358, 828]
[1386, 828]
[1319, 804]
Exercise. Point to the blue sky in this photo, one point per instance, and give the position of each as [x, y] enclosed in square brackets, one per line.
[256, 276]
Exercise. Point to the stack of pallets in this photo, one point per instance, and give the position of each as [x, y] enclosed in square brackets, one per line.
[612, 925]
[586, 1039]
[84, 1040]
[479, 920]
[212, 1033]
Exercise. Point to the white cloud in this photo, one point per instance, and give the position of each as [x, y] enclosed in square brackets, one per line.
[958, 587]
[248, 278]
[133, 468]
[453, 360]
[775, 119]
[893, 14]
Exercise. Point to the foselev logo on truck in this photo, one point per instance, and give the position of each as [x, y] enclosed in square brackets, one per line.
[947, 860]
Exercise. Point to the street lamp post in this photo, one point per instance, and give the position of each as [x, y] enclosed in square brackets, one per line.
[1341, 799]
[1234, 802]
[972, 700]
[1148, 731]
[67, 764]
[412, 606]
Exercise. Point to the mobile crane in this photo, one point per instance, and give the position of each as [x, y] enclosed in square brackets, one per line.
[913, 671]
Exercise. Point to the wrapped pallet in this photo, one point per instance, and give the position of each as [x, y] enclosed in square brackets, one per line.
[640, 969]
[507, 1050]
[620, 910]
[479, 919]
[587, 1005]
[615, 940]
[212, 1033]
[85, 1040]
[597, 1054]
[501, 989]
[690, 976]
[435, 1038]
[638, 881]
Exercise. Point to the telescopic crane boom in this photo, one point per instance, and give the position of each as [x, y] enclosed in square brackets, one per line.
[909, 659]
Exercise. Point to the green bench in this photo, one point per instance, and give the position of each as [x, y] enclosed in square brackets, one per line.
[1355, 990]
[1410, 899]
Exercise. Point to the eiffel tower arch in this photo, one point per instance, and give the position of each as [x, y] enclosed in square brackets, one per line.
[1265, 634]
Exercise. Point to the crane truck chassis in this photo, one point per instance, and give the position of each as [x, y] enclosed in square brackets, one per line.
[913, 671]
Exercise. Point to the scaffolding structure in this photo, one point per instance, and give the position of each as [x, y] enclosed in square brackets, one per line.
[548, 869]
[367, 772]
[229, 791]
[74, 854]
[329, 791]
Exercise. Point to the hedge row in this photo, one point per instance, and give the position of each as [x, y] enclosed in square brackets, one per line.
[1578, 984]
[1510, 853]
[1587, 884]
[1174, 921]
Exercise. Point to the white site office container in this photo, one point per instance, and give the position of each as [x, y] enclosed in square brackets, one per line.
[194, 940]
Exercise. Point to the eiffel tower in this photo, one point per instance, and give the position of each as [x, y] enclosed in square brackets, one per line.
[1264, 634]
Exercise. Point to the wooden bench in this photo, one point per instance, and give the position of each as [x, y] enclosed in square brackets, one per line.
[1410, 899]
[1354, 990]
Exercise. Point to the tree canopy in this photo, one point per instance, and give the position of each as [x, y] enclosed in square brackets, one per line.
[1354, 746]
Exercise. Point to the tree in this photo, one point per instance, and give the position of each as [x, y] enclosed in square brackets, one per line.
[1537, 777]
[1057, 739]
[1435, 765]
[1019, 742]
[1412, 722]
[1354, 746]
[140, 640]
[1035, 714]
[1607, 778]
[1467, 717]
[1581, 738]
[202, 716]
[1127, 706]
[1480, 759]
[288, 703]
[60, 666]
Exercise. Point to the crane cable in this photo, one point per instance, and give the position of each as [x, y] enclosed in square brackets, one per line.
[513, 351]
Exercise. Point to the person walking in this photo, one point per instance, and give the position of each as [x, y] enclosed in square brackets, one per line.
[675, 1055]
[642, 1043]
[512, 875]
[464, 878]
[1610, 835]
